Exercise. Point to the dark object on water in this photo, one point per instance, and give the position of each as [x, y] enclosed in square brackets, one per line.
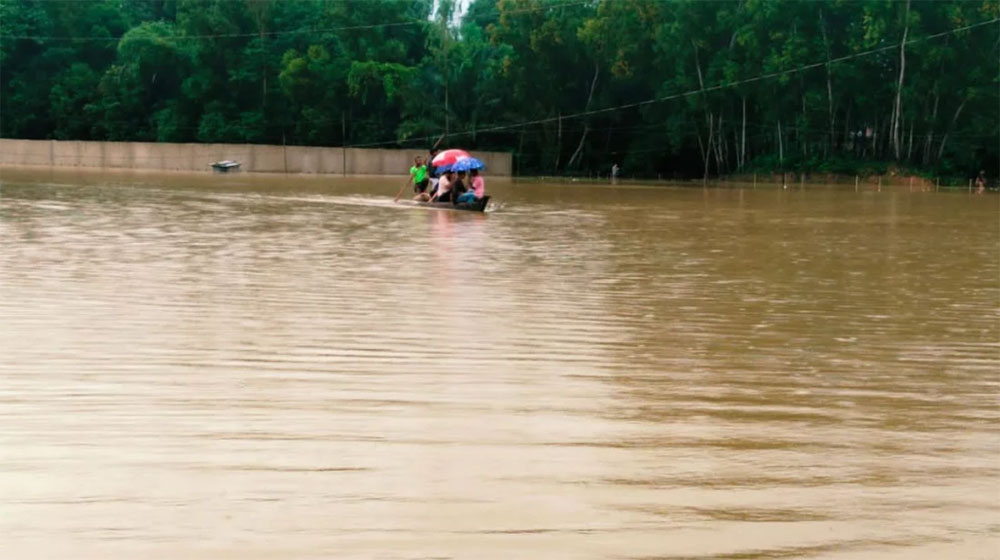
[477, 206]
[226, 166]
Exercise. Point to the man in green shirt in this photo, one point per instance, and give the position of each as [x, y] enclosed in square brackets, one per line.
[418, 175]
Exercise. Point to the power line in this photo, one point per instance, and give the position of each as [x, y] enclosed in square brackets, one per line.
[699, 91]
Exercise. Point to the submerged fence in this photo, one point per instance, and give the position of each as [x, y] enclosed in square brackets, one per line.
[257, 158]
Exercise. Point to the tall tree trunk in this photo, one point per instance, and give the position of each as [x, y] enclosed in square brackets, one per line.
[719, 147]
[736, 148]
[586, 124]
[829, 85]
[954, 119]
[259, 9]
[781, 147]
[909, 149]
[697, 65]
[263, 73]
[704, 157]
[558, 142]
[897, 111]
[708, 150]
[930, 127]
[847, 129]
[743, 137]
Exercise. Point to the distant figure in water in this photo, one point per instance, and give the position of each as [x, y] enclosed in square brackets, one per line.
[981, 182]
[614, 174]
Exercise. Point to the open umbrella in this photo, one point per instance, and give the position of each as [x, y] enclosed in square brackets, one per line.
[448, 157]
[466, 164]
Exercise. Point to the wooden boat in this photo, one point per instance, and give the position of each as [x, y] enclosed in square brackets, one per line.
[477, 206]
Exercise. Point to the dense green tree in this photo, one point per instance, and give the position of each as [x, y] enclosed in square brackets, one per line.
[674, 87]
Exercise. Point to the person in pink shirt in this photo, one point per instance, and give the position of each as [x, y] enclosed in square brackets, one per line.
[477, 185]
[476, 190]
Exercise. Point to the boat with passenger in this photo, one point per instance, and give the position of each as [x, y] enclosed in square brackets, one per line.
[441, 182]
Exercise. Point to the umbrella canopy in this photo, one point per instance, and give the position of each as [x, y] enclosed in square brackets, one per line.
[466, 164]
[448, 157]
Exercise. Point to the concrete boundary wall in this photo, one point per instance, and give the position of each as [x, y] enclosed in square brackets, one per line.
[199, 157]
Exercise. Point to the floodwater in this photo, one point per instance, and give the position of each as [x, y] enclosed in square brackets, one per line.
[285, 367]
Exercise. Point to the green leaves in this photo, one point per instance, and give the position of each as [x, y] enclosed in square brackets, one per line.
[672, 87]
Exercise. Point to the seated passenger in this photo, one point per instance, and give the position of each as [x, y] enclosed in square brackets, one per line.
[458, 187]
[477, 188]
[443, 193]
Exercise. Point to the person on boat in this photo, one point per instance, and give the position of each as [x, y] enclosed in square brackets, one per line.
[477, 188]
[432, 172]
[418, 175]
[443, 193]
[458, 187]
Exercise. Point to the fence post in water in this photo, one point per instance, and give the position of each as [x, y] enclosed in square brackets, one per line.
[855, 183]
[970, 186]
[879, 183]
[755, 180]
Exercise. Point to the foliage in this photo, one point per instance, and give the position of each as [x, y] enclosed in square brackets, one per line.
[671, 87]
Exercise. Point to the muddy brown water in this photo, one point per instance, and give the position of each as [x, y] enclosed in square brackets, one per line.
[198, 366]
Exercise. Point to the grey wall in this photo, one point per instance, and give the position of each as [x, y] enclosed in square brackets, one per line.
[198, 157]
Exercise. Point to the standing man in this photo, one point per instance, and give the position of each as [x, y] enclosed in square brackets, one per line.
[614, 173]
[981, 182]
[418, 175]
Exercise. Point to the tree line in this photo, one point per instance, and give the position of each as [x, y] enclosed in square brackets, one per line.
[679, 88]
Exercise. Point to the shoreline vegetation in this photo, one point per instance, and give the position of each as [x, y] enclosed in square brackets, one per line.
[679, 89]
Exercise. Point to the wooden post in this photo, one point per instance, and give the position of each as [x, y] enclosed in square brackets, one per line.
[755, 180]
[879, 183]
[855, 183]
[970, 186]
